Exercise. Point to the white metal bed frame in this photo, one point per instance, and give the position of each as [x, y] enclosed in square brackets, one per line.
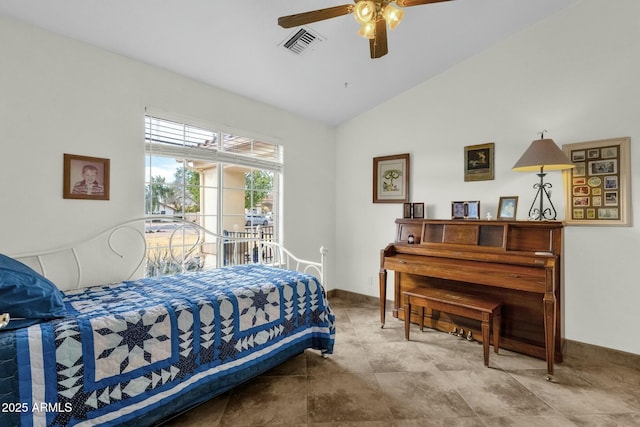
[281, 257]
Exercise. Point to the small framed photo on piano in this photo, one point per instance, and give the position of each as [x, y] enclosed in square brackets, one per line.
[417, 210]
[407, 210]
[473, 210]
[465, 210]
[458, 210]
[507, 207]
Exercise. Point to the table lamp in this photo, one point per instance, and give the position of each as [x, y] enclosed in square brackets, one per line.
[541, 156]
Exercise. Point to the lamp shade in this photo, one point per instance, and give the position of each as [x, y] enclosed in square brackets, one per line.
[543, 154]
[368, 30]
[392, 15]
[364, 11]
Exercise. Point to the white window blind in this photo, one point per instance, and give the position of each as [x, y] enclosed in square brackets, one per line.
[183, 141]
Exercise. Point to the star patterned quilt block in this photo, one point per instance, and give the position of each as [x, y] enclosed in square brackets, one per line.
[258, 306]
[125, 342]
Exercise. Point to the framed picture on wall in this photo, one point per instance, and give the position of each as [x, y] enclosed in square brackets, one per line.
[85, 178]
[478, 162]
[391, 179]
[597, 190]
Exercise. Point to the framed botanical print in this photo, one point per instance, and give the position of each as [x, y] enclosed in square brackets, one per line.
[391, 179]
[597, 190]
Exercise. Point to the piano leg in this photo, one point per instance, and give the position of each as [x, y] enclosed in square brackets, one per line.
[496, 319]
[549, 332]
[549, 302]
[486, 320]
[383, 296]
[407, 316]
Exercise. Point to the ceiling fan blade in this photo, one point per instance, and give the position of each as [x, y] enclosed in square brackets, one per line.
[314, 16]
[407, 3]
[378, 45]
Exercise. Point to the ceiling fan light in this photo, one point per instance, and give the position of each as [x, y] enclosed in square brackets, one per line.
[368, 30]
[364, 11]
[392, 15]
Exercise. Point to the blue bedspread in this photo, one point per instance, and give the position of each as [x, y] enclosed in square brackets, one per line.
[133, 352]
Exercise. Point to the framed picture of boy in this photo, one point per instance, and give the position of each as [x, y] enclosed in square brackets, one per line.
[85, 178]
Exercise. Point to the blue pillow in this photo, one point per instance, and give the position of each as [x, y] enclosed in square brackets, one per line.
[28, 295]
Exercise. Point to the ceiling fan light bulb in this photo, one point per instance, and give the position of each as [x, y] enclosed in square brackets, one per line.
[368, 30]
[364, 11]
[393, 16]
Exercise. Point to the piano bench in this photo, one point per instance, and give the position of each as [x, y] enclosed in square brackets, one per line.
[478, 308]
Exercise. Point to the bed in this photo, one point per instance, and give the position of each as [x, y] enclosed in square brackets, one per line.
[140, 350]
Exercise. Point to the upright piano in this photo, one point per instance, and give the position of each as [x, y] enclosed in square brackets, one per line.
[516, 262]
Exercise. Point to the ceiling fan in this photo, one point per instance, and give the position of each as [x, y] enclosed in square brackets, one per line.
[372, 15]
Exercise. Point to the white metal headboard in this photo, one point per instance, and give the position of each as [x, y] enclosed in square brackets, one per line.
[121, 253]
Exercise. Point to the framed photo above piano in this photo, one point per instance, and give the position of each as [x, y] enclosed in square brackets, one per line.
[597, 189]
[478, 162]
[391, 179]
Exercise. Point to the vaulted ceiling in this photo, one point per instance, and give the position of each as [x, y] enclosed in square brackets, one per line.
[238, 46]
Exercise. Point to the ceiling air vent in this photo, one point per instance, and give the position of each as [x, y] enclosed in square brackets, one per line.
[301, 41]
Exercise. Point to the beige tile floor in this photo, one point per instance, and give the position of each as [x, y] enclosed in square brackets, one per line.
[376, 378]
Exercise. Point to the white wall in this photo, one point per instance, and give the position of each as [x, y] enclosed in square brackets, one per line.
[575, 75]
[61, 96]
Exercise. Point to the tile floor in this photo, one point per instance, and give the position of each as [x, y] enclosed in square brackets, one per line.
[376, 378]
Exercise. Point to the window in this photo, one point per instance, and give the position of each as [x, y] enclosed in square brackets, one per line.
[226, 183]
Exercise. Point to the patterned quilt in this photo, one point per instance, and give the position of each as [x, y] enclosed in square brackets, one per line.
[133, 352]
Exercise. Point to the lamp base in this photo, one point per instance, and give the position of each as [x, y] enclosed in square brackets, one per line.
[538, 212]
